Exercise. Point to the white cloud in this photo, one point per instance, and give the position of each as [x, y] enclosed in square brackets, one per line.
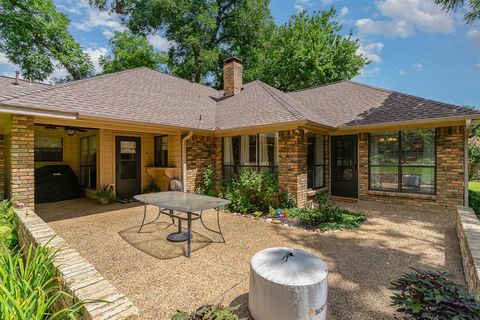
[404, 17]
[371, 51]
[158, 42]
[402, 72]
[369, 71]
[95, 54]
[474, 36]
[301, 5]
[418, 66]
[4, 59]
[343, 12]
[477, 68]
[102, 19]
[108, 34]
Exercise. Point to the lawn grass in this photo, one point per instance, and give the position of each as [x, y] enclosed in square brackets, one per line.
[474, 186]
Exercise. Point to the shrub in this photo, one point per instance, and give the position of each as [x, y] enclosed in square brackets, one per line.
[208, 187]
[8, 225]
[328, 216]
[255, 191]
[427, 294]
[474, 201]
[209, 312]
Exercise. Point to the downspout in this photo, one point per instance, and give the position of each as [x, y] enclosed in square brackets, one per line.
[184, 160]
[468, 125]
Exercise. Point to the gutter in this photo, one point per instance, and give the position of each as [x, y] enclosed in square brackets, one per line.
[37, 112]
[184, 160]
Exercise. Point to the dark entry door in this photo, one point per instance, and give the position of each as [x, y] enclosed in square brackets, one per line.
[344, 166]
[128, 161]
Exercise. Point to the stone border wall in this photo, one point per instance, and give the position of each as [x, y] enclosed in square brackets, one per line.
[80, 278]
[468, 232]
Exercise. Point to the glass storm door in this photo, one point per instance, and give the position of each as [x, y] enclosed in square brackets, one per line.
[128, 161]
[344, 166]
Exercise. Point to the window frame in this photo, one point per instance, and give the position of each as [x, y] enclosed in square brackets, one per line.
[89, 166]
[399, 166]
[314, 166]
[57, 149]
[235, 169]
[156, 160]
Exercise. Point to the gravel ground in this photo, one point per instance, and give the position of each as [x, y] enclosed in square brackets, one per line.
[361, 262]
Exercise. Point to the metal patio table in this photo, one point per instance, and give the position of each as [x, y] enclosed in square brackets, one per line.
[182, 206]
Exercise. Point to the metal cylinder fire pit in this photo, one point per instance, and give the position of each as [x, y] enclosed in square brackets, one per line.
[287, 284]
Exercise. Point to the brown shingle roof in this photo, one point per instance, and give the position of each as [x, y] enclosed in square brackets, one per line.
[9, 90]
[348, 103]
[148, 96]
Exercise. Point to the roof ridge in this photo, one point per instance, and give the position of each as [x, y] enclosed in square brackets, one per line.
[319, 86]
[293, 111]
[25, 80]
[183, 79]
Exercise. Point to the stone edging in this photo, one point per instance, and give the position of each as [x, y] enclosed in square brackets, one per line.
[80, 278]
[468, 232]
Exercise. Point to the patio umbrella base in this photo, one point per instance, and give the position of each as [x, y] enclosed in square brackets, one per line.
[178, 237]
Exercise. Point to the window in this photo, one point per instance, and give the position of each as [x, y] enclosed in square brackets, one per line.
[48, 149]
[161, 151]
[403, 161]
[88, 161]
[315, 161]
[255, 151]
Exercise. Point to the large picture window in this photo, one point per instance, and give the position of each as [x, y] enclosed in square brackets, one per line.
[403, 161]
[315, 161]
[161, 151]
[255, 151]
[48, 149]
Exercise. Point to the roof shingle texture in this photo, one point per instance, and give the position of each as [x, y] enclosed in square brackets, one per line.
[147, 96]
[9, 90]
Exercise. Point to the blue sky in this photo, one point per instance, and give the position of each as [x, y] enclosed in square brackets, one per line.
[414, 46]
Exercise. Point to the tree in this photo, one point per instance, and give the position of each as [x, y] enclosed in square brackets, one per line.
[472, 5]
[35, 36]
[203, 32]
[130, 51]
[308, 51]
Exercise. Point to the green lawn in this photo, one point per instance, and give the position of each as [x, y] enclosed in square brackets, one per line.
[474, 186]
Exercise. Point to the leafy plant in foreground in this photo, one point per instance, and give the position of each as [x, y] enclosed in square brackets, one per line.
[474, 201]
[209, 181]
[425, 294]
[8, 225]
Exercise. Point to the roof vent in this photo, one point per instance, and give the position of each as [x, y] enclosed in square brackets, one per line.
[17, 78]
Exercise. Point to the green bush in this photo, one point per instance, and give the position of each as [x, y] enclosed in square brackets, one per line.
[474, 201]
[328, 216]
[8, 225]
[209, 312]
[426, 294]
[208, 187]
[255, 191]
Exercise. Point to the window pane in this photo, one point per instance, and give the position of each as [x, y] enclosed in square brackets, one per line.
[315, 161]
[418, 147]
[319, 176]
[48, 142]
[384, 178]
[384, 148]
[418, 180]
[161, 151]
[248, 150]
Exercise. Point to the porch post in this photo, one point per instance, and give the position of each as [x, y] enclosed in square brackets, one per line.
[292, 167]
[21, 161]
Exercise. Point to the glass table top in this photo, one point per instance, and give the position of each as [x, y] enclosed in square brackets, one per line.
[181, 201]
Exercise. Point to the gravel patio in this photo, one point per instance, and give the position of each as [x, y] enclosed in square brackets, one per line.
[361, 262]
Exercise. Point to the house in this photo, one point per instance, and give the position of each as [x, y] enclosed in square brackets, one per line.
[133, 128]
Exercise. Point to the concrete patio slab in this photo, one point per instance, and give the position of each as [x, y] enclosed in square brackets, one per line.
[361, 262]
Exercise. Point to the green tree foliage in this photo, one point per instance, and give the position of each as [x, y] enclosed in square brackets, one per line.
[308, 51]
[472, 5]
[130, 51]
[35, 36]
[203, 32]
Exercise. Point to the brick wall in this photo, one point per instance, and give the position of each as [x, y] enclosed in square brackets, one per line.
[450, 173]
[292, 168]
[21, 161]
[2, 166]
[201, 152]
[79, 278]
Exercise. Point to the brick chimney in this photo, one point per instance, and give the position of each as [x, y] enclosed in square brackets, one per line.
[232, 76]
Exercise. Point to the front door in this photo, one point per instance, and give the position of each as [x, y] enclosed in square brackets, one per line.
[128, 164]
[344, 166]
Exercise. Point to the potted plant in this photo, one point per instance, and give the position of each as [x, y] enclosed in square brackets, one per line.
[105, 194]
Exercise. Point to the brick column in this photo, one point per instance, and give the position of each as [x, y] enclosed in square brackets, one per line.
[2, 166]
[22, 181]
[201, 152]
[292, 167]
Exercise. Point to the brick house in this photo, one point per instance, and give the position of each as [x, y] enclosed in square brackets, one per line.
[134, 128]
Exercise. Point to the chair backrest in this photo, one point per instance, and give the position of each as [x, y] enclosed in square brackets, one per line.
[175, 184]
